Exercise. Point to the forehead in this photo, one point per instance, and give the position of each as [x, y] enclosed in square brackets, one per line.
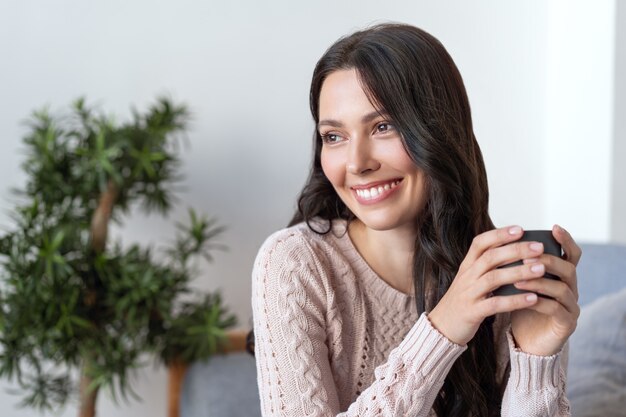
[343, 96]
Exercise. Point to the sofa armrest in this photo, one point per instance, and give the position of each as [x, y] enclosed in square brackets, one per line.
[177, 370]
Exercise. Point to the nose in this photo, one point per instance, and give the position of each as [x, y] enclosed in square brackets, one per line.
[361, 158]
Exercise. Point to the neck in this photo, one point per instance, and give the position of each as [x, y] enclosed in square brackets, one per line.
[388, 252]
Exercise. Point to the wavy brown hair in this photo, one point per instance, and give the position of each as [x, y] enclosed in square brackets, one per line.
[408, 74]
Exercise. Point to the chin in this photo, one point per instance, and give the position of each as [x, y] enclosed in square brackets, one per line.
[383, 223]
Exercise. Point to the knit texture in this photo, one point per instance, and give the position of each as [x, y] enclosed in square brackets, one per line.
[333, 338]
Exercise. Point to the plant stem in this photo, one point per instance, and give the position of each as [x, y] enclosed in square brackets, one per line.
[177, 370]
[87, 397]
[99, 231]
[101, 217]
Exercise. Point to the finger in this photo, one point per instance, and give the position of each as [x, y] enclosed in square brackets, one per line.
[496, 278]
[565, 270]
[490, 239]
[572, 251]
[505, 303]
[558, 290]
[504, 255]
[557, 311]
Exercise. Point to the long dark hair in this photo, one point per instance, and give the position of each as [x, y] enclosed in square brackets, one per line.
[408, 73]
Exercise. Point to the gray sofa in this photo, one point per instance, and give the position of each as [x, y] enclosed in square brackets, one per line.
[225, 386]
[597, 366]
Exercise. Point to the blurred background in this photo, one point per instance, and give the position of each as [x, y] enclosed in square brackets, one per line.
[546, 81]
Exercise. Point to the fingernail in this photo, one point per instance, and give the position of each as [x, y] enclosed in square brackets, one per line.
[515, 230]
[537, 268]
[531, 298]
[536, 246]
[559, 228]
[521, 283]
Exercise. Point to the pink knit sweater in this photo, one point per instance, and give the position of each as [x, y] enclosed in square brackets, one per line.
[333, 338]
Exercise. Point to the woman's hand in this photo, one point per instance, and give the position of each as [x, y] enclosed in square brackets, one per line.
[469, 301]
[543, 328]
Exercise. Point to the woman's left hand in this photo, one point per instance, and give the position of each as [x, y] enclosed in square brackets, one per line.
[543, 328]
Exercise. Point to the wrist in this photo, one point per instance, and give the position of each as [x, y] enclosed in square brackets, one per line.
[537, 349]
[439, 324]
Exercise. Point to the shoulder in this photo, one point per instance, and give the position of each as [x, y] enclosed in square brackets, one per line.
[295, 265]
[299, 243]
[288, 241]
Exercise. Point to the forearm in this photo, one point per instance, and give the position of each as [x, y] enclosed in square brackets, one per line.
[536, 385]
[406, 385]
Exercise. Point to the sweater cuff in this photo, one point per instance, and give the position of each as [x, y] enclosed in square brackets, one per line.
[428, 349]
[533, 372]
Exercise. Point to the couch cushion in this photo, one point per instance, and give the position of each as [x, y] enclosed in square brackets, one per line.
[602, 270]
[597, 365]
[223, 386]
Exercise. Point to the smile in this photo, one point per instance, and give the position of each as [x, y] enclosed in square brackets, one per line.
[377, 192]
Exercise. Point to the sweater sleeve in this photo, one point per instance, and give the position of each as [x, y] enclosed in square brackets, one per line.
[289, 294]
[536, 385]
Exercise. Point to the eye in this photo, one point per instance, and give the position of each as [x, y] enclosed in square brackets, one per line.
[330, 138]
[384, 127]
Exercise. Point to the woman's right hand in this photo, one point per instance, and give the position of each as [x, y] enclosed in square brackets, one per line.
[469, 299]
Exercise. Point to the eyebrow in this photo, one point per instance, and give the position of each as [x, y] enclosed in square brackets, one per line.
[365, 119]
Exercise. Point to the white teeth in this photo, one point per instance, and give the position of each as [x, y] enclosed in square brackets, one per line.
[374, 192]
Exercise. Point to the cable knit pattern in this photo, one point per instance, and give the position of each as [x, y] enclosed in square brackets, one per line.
[334, 339]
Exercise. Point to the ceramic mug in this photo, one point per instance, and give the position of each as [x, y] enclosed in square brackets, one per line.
[550, 247]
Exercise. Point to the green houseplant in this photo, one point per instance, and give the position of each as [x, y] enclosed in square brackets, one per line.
[77, 313]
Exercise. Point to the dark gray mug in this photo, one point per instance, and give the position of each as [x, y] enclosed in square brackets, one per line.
[550, 247]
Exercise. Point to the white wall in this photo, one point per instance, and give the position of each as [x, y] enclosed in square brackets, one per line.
[244, 69]
[618, 194]
[579, 131]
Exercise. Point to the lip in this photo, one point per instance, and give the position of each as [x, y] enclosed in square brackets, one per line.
[380, 197]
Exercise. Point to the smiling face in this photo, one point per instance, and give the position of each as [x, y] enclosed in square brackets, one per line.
[364, 159]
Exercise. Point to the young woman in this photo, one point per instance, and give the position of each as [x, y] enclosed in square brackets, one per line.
[377, 300]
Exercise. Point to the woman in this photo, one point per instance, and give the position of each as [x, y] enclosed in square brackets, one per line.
[377, 300]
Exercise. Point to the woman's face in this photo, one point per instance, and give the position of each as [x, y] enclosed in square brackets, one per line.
[363, 157]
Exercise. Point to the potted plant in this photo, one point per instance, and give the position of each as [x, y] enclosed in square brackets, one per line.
[77, 312]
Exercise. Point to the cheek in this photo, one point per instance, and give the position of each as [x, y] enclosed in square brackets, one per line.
[420, 191]
[405, 164]
[333, 167]
[394, 152]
